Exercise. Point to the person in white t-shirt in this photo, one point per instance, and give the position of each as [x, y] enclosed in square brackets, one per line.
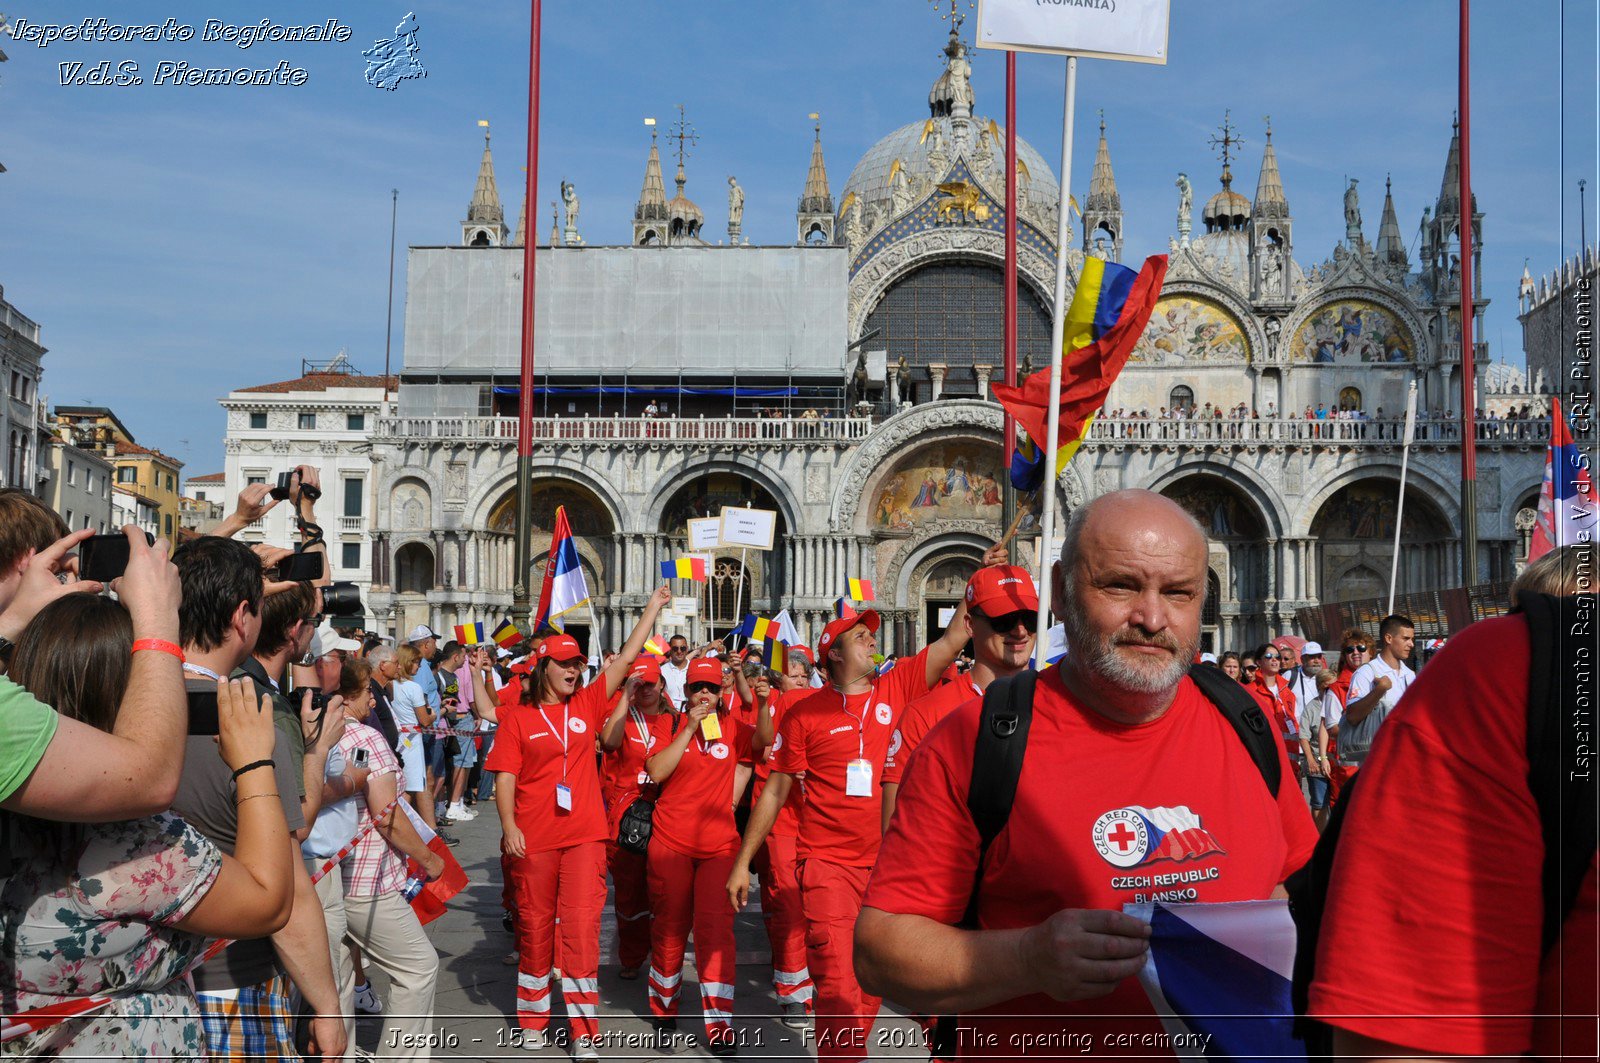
[1376, 688]
[675, 669]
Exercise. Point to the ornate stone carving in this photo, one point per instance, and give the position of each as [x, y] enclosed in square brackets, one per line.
[816, 490]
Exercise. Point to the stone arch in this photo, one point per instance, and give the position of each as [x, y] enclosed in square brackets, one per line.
[589, 514]
[691, 468]
[867, 467]
[1354, 526]
[482, 503]
[910, 570]
[1184, 311]
[1419, 478]
[411, 504]
[1404, 314]
[414, 568]
[1268, 504]
[937, 481]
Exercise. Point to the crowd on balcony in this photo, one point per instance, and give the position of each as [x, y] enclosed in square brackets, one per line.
[1189, 421]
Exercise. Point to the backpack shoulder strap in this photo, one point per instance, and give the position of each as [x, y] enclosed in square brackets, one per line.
[1241, 710]
[997, 754]
[1558, 778]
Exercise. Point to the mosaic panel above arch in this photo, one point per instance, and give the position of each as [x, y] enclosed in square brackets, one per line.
[1352, 330]
[1189, 330]
[586, 515]
[939, 482]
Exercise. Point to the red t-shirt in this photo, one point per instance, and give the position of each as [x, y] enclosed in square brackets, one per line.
[694, 813]
[1277, 701]
[1105, 814]
[1431, 934]
[919, 718]
[822, 735]
[788, 822]
[531, 745]
[622, 769]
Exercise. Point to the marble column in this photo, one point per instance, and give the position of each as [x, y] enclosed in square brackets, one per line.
[983, 372]
[937, 371]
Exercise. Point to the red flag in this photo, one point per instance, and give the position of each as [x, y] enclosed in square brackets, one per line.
[1087, 373]
[429, 902]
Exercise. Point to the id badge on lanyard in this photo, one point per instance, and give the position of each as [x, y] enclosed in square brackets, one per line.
[858, 773]
[563, 791]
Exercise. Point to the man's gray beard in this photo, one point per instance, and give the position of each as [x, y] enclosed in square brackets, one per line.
[1099, 657]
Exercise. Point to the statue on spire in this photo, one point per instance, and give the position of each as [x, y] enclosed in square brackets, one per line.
[1185, 209]
[569, 196]
[1352, 216]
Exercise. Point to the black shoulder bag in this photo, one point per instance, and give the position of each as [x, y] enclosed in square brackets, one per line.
[633, 829]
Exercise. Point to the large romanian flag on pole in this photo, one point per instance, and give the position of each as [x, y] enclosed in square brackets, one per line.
[1109, 310]
[564, 588]
[1567, 503]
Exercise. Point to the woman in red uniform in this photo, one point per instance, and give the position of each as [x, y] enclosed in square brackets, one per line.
[1272, 693]
[692, 846]
[624, 738]
[547, 791]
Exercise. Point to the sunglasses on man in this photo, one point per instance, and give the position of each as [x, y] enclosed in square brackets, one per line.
[1003, 624]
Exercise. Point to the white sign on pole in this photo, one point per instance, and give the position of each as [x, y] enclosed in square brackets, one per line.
[946, 615]
[686, 606]
[705, 533]
[1130, 30]
[669, 618]
[752, 528]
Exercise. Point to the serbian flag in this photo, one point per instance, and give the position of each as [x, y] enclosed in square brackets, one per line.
[684, 568]
[860, 590]
[1219, 977]
[1109, 311]
[472, 634]
[1567, 505]
[429, 903]
[564, 588]
[507, 634]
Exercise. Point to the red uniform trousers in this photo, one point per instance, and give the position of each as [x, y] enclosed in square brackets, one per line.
[831, 895]
[569, 883]
[685, 892]
[786, 922]
[631, 899]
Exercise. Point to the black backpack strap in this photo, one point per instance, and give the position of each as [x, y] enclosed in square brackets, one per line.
[1260, 738]
[1561, 783]
[996, 766]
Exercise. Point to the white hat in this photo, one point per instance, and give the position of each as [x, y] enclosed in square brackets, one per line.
[503, 653]
[325, 640]
[1311, 649]
[1208, 658]
[421, 633]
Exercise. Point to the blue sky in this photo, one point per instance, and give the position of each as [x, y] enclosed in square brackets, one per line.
[178, 242]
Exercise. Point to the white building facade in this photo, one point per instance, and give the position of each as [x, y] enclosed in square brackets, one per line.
[20, 415]
[319, 419]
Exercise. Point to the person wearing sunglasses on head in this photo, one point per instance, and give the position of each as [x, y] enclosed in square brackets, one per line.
[1248, 668]
[701, 762]
[1002, 615]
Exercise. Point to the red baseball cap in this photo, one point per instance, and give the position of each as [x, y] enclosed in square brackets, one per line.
[807, 651]
[522, 668]
[646, 668]
[996, 590]
[704, 670]
[560, 648]
[842, 624]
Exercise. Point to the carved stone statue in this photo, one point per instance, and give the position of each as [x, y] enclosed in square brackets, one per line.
[900, 190]
[1274, 328]
[1352, 215]
[857, 391]
[569, 196]
[854, 232]
[937, 158]
[735, 203]
[1185, 208]
[902, 379]
[1272, 270]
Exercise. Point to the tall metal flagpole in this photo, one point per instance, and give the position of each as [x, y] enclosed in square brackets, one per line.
[522, 586]
[1008, 493]
[388, 326]
[1400, 506]
[1047, 520]
[1469, 424]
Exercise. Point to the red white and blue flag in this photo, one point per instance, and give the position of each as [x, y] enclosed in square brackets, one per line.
[564, 589]
[1567, 506]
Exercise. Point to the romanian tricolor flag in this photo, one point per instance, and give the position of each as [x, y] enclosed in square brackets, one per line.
[1109, 311]
[653, 645]
[775, 654]
[758, 629]
[860, 590]
[472, 634]
[507, 634]
[684, 568]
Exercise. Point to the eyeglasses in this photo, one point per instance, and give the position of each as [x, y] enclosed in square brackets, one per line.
[1358, 648]
[1269, 656]
[1009, 622]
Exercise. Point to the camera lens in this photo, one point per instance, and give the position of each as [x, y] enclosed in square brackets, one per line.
[342, 599]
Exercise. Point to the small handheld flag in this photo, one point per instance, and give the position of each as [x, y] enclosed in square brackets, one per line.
[653, 645]
[564, 589]
[1567, 512]
[757, 629]
[860, 590]
[844, 608]
[507, 634]
[472, 634]
[775, 654]
[684, 568]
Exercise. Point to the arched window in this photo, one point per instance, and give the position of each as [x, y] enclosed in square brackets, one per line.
[1181, 398]
[1350, 399]
[480, 239]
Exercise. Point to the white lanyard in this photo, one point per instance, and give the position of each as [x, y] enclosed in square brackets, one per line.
[564, 722]
[638, 721]
[861, 724]
[202, 671]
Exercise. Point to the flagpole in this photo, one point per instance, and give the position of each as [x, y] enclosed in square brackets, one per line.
[523, 547]
[1469, 432]
[1400, 507]
[1047, 521]
[1008, 441]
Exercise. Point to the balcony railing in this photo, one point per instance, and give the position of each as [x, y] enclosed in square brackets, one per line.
[350, 524]
[631, 429]
[1367, 433]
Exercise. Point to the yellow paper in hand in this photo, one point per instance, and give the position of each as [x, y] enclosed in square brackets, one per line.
[710, 728]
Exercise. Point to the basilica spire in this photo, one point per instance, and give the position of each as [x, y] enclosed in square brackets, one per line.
[1450, 188]
[814, 217]
[1270, 199]
[1391, 248]
[650, 214]
[1102, 211]
[485, 225]
[1271, 229]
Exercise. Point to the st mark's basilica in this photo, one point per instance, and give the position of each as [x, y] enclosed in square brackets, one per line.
[842, 382]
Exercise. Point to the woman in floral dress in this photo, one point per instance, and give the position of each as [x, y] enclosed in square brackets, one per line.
[122, 910]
